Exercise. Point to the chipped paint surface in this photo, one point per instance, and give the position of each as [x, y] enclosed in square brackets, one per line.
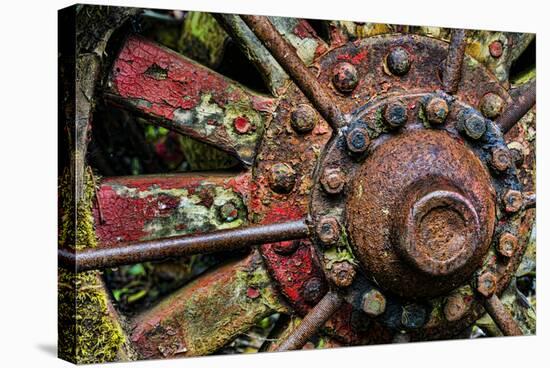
[208, 313]
[168, 205]
[187, 97]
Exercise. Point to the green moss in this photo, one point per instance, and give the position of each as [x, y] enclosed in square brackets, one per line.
[88, 328]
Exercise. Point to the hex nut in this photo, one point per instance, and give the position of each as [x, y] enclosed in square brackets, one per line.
[282, 178]
[373, 303]
[333, 180]
[507, 245]
[487, 284]
[328, 230]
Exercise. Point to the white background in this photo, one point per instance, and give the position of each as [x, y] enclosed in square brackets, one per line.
[28, 147]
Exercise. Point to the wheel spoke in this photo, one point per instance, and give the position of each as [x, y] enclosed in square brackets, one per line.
[286, 55]
[502, 317]
[453, 64]
[180, 246]
[208, 313]
[521, 105]
[178, 93]
[312, 322]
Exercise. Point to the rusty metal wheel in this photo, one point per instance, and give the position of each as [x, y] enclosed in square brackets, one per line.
[386, 189]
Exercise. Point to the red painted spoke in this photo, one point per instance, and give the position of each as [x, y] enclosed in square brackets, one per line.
[453, 64]
[312, 322]
[502, 317]
[521, 105]
[286, 55]
[180, 94]
[179, 246]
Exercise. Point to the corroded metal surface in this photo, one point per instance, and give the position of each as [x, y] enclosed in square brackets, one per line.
[182, 95]
[502, 317]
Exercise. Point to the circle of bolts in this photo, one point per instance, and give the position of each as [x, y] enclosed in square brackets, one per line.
[501, 158]
[282, 178]
[328, 230]
[491, 105]
[513, 201]
[312, 290]
[345, 77]
[229, 212]
[303, 119]
[373, 303]
[342, 274]
[357, 140]
[395, 114]
[495, 49]
[487, 284]
[455, 308]
[437, 110]
[333, 180]
[398, 61]
[472, 125]
[507, 245]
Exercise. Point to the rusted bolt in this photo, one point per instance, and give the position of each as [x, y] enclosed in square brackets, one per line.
[286, 247]
[303, 119]
[413, 316]
[398, 61]
[473, 125]
[517, 156]
[455, 308]
[513, 201]
[312, 290]
[491, 105]
[342, 274]
[344, 77]
[507, 245]
[357, 140]
[328, 230]
[333, 180]
[282, 178]
[437, 110]
[495, 49]
[487, 284]
[229, 212]
[373, 303]
[395, 114]
[501, 158]
[241, 125]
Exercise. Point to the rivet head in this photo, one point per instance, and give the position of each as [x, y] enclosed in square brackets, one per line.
[487, 284]
[312, 290]
[328, 230]
[373, 303]
[242, 125]
[333, 180]
[473, 125]
[513, 201]
[282, 178]
[501, 158]
[342, 274]
[437, 110]
[344, 77]
[395, 114]
[357, 140]
[495, 49]
[507, 245]
[491, 105]
[229, 212]
[303, 119]
[455, 308]
[398, 61]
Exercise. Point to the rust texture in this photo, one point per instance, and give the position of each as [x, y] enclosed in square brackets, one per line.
[502, 317]
[215, 241]
[453, 63]
[180, 94]
[312, 322]
[286, 55]
[521, 105]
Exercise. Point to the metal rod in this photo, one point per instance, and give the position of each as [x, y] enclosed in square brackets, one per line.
[312, 322]
[529, 200]
[502, 317]
[521, 105]
[178, 246]
[453, 63]
[286, 55]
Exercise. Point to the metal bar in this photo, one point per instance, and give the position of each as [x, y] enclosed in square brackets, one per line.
[523, 103]
[453, 63]
[312, 322]
[177, 246]
[529, 200]
[502, 317]
[286, 55]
